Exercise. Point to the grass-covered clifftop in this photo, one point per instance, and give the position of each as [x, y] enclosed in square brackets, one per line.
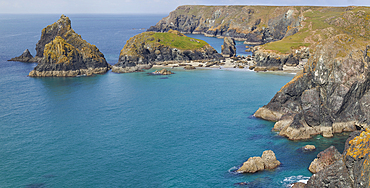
[145, 49]
[171, 39]
[322, 23]
[279, 28]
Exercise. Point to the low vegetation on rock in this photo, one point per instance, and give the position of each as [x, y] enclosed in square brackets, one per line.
[62, 52]
[148, 48]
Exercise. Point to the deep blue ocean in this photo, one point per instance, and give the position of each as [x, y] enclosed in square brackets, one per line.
[189, 129]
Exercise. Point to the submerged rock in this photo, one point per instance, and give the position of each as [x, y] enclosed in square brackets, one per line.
[162, 72]
[255, 164]
[62, 52]
[189, 67]
[25, 57]
[308, 148]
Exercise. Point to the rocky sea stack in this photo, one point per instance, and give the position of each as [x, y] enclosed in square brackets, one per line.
[62, 52]
[146, 49]
[228, 49]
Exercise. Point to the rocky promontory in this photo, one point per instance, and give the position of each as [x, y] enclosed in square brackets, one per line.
[62, 52]
[331, 94]
[255, 24]
[149, 48]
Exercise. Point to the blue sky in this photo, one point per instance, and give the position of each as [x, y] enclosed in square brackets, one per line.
[144, 6]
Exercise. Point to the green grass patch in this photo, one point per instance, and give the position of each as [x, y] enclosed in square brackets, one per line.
[284, 47]
[291, 42]
[180, 42]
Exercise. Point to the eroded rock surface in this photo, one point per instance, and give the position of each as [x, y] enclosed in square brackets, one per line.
[255, 164]
[324, 159]
[25, 57]
[351, 170]
[255, 24]
[329, 96]
[62, 52]
[228, 49]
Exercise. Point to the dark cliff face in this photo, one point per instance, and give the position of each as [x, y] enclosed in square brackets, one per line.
[147, 48]
[331, 94]
[61, 49]
[251, 23]
[351, 170]
[228, 49]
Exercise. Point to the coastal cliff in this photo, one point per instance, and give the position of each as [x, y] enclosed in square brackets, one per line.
[254, 24]
[331, 94]
[62, 52]
[146, 49]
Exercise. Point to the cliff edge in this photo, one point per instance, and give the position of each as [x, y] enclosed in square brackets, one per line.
[254, 24]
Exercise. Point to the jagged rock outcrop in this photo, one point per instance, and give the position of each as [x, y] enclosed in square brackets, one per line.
[228, 49]
[25, 57]
[62, 52]
[271, 60]
[329, 96]
[148, 48]
[253, 164]
[352, 169]
[64, 60]
[255, 24]
[324, 159]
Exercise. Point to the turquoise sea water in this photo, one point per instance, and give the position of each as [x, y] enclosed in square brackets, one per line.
[190, 129]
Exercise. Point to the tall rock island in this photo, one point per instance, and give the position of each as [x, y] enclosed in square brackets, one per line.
[62, 52]
[228, 49]
[148, 48]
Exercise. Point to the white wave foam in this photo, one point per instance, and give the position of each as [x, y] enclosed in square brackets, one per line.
[233, 170]
[288, 181]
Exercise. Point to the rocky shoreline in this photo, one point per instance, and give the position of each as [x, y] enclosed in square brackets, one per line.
[69, 73]
[329, 94]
